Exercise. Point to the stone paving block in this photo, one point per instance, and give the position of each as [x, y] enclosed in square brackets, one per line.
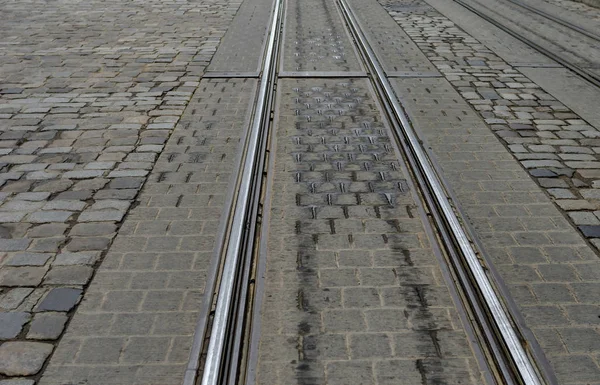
[21, 276]
[68, 275]
[370, 345]
[101, 216]
[14, 244]
[77, 258]
[47, 230]
[47, 326]
[100, 350]
[146, 349]
[11, 324]
[11, 299]
[23, 358]
[87, 244]
[60, 299]
[49, 216]
[28, 259]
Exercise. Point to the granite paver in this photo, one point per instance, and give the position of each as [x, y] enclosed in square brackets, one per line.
[90, 92]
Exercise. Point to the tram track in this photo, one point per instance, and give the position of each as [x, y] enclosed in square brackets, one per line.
[556, 19]
[221, 348]
[583, 72]
[464, 257]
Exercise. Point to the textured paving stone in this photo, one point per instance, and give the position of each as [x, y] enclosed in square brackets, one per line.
[10, 299]
[68, 275]
[12, 323]
[60, 299]
[83, 121]
[17, 382]
[140, 310]
[47, 326]
[28, 259]
[21, 276]
[529, 242]
[23, 358]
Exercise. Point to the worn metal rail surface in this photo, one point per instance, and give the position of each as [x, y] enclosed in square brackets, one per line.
[586, 74]
[223, 336]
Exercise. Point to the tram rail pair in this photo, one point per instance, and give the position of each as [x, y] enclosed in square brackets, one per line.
[220, 350]
[585, 73]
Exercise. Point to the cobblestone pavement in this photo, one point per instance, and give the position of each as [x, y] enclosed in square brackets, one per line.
[116, 156]
[558, 148]
[138, 318]
[90, 92]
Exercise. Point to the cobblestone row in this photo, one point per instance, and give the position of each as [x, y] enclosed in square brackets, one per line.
[558, 148]
[89, 94]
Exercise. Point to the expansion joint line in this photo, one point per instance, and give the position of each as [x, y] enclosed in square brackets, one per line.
[521, 367]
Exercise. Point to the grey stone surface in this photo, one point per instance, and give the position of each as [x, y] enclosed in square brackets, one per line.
[21, 276]
[242, 45]
[68, 275]
[85, 112]
[14, 244]
[10, 299]
[140, 310]
[28, 259]
[60, 299]
[316, 39]
[77, 258]
[11, 324]
[511, 215]
[47, 326]
[23, 358]
[17, 381]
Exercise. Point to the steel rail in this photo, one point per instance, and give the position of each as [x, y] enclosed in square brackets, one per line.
[584, 73]
[508, 334]
[558, 20]
[241, 220]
